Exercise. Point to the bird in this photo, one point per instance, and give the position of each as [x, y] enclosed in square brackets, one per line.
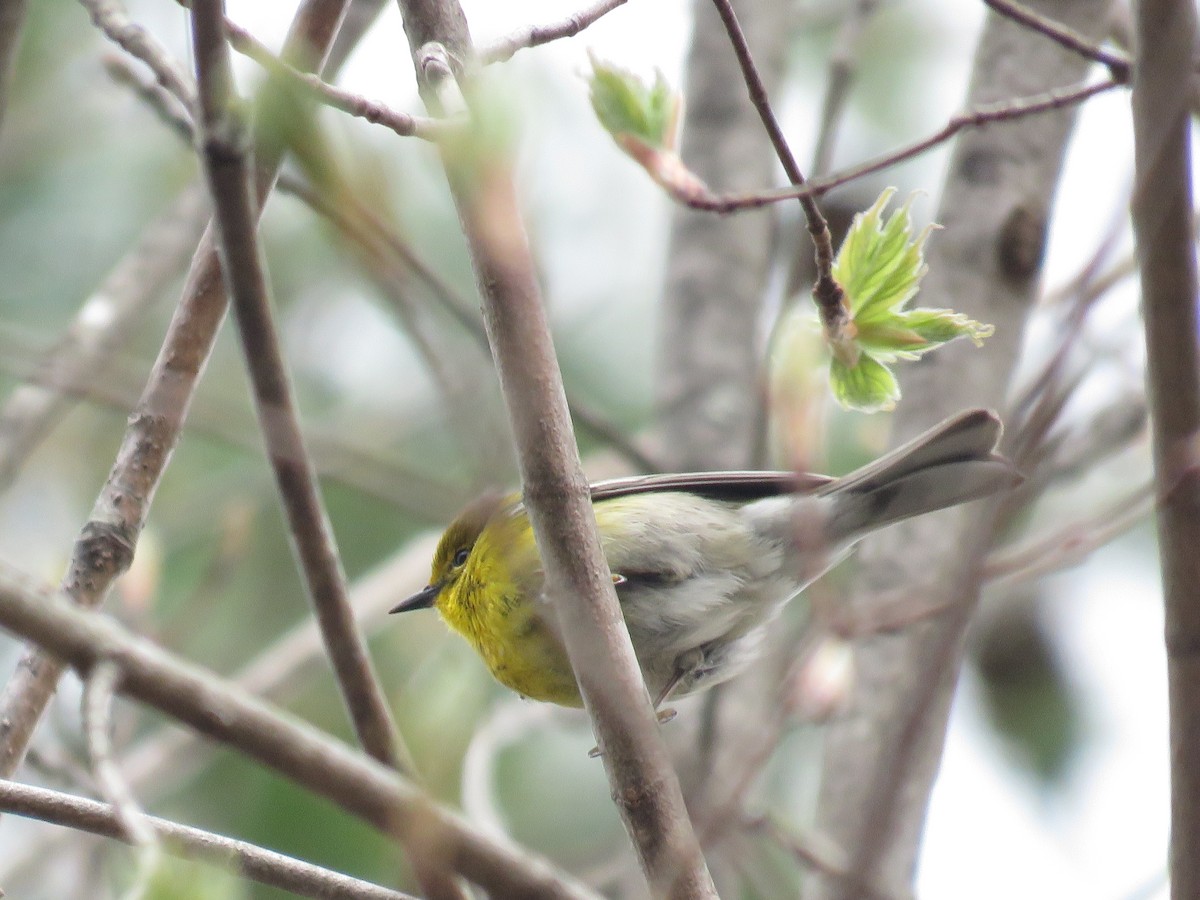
[702, 562]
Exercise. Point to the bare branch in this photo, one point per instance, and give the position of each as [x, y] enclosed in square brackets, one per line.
[346, 101]
[112, 19]
[556, 492]
[1117, 65]
[106, 542]
[228, 172]
[98, 691]
[213, 707]
[827, 293]
[503, 49]
[974, 118]
[263, 866]
[1164, 61]
[1069, 544]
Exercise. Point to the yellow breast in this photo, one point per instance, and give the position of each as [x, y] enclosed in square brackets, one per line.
[501, 618]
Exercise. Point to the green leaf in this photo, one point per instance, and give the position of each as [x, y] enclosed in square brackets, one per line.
[880, 264]
[626, 105]
[910, 334]
[867, 386]
[937, 326]
[879, 267]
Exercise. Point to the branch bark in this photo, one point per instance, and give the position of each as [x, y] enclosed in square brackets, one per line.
[213, 707]
[882, 758]
[224, 153]
[1165, 58]
[578, 583]
[257, 863]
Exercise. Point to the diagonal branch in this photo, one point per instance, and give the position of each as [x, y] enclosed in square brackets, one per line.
[228, 173]
[107, 540]
[503, 49]
[261, 865]
[1117, 64]
[827, 293]
[213, 707]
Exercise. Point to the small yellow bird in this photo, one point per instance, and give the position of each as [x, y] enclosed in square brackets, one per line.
[702, 562]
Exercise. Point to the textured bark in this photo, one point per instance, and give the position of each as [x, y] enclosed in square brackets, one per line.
[882, 758]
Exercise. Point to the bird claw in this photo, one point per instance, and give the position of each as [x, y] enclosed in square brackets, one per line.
[663, 715]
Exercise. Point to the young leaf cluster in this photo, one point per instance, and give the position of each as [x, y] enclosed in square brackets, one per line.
[880, 266]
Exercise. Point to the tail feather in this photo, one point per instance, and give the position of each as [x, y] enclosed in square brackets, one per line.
[951, 463]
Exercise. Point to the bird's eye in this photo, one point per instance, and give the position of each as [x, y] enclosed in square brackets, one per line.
[460, 558]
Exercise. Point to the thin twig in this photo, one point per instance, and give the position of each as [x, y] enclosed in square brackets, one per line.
[975, 118]
[254, 862]
[322, 91]
[106, 542]
[1118, 65]
[1069, 544]
[165, 105]
[338, 98]
[213, 707]
[503, 49]
[827, 293]
[228, 172]
[99, 688]
[112, 19]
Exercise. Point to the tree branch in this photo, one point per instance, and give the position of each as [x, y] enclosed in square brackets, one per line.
[257, 863]
[827, 293]
[358, 784]
[228, 172]
[1165, 48]
[1117, 65]
[112, 19]
[106, 542]
[881, 759]
[556, 493]
[503, 49]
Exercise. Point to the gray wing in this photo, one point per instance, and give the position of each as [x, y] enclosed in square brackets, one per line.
[729, 486]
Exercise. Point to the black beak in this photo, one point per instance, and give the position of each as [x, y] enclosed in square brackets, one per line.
[422, 599]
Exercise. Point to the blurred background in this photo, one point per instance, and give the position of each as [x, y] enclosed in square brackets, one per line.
[1054, 782]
